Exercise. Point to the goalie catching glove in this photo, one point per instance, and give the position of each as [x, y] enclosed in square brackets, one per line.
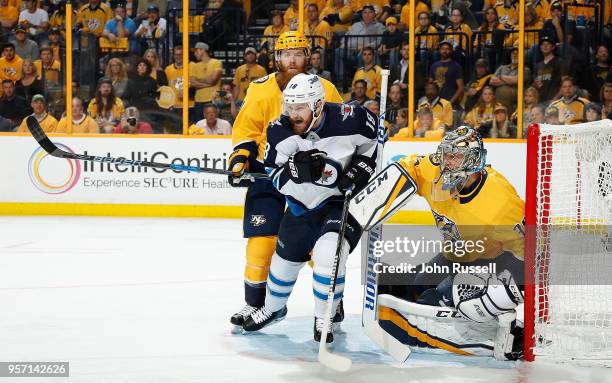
[305, 166]
[239, 163]
[357, 174]
[481, 298]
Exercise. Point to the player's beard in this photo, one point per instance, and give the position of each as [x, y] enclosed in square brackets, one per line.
[291, 70]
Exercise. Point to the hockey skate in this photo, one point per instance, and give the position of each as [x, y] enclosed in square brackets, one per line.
[262, 318]
[318, 329]
[238, 318]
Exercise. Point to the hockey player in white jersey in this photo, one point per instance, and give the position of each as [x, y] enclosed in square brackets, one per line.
[315, 152]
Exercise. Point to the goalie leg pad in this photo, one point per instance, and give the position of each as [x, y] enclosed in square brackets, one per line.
[385, 194]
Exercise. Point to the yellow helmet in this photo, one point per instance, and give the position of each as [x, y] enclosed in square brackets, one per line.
[291, 40]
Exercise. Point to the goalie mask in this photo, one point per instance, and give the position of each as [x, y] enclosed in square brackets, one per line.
[460, 154]
[304, 91]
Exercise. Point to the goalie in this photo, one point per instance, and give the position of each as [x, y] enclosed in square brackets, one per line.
[470, 201]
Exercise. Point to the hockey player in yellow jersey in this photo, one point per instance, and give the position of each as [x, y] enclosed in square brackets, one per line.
[264, 205]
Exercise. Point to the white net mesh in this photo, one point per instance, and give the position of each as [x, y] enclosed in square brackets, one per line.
[573, 269]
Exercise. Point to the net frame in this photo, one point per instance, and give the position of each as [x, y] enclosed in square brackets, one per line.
[554, 329]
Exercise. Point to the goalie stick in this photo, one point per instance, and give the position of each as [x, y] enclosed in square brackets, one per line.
[44, 141]
[368, 314]
[333, 361]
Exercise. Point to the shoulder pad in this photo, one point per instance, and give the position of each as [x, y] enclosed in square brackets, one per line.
[434, 158]
[261, 80]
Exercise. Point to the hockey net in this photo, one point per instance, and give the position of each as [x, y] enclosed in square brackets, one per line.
[568, 260]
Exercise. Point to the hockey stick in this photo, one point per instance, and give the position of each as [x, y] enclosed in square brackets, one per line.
[53, 150]
[368, 314]
[333, 361]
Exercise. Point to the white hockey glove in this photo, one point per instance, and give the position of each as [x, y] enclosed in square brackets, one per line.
[484, 297]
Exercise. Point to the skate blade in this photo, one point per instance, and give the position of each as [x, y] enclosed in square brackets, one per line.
[237, 330]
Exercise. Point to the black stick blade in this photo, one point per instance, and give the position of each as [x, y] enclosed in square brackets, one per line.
[40, 136]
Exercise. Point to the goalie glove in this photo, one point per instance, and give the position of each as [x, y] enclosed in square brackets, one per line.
[357, 174]
[481, 298]
[305, 166]
[239, 162]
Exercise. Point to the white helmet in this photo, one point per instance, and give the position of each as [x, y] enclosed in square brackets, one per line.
[304, 89]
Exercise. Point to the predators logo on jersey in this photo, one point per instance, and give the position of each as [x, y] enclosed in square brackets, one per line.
[447, 227]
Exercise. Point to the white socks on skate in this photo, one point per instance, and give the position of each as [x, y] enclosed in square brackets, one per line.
[323, 257]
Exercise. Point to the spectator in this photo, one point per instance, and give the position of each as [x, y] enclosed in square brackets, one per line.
[458, 33]
[338, 15]
[142, 88]
[552, 116]
[448, 75]
[315, 27]
[549, 71]
[420, 7]
[105, 107]
[10, 63]
[399, 75]
[47, 122]
[592, 112]
[12, 107]
[441, 109]
[157, 73]
[316, 66]
[536, 116]
[505, 80]
[174, 74]
[500, 126]
[427, 38]
[93, 16]
[153, 28]
[131, 124]
[81, 122]
[395, 103]
[426, 126]
[490, 38]
[48, 67]
[273, 30]
[247, 72]
[531, 100]
[30, 83]
[117, 72]
[534, 23]
[570, 105]
[401, 121]
[225, 102]
[211, 124]
[507, 11]
[367, 26]
[24, 47]
[120, 27]
[142, 8]
[205, 76]
[541, 8]
[605, 96]
[390, 43]
[359, 92]
[34, 19]
[8, 16]
[290, 17]
[599, 71]
[370, 72]
[554, 26]
[474, 88]
[483, 111]
[57, 20]
[55, 43]
[373, 106]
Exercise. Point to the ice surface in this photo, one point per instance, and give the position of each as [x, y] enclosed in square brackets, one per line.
[148, 300]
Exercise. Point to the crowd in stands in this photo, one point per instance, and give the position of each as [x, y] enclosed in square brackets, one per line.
[466, 69]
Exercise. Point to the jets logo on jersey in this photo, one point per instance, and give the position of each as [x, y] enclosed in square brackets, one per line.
[329, 177]
[258, 220]
[347, 111]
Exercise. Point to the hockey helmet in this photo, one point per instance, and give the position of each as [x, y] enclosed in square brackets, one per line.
[304, 89]
[291, 40]
[460, 154]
